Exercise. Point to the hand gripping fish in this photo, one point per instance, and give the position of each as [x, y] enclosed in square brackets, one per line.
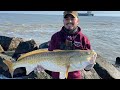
[62, 61]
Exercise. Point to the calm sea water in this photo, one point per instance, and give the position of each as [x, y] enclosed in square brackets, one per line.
[103, 32]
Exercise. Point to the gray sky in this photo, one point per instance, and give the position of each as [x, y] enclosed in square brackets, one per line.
[96, 13]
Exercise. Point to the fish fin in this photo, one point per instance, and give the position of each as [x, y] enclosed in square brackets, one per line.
[66, 74]
[10, 66]
[62, 75]
[39, 69]
[32, 53]
[28, 70]
[35, 52]
[92, 59]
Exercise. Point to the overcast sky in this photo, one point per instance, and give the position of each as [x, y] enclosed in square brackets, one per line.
[96, 13]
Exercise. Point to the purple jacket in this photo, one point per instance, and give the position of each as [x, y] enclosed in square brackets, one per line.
[79, 40]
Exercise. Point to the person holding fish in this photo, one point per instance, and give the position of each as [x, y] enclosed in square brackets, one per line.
[70, 37]
[68, 53]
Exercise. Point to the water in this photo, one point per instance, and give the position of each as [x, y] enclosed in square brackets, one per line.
[103, 32]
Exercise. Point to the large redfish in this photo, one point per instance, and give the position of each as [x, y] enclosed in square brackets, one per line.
[62, 61]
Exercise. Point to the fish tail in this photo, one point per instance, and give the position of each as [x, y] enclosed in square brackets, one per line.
[10, 66]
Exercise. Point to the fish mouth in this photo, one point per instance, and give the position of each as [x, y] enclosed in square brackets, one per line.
[92, 59]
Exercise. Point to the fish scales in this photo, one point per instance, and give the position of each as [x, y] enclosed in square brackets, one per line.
[57, 60]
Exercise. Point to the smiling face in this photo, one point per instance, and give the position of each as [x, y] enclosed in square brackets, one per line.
[70, 22]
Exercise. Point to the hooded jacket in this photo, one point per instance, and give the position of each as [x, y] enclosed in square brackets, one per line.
[64, 41]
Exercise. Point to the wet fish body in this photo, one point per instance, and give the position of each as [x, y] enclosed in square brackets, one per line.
[62, 61]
